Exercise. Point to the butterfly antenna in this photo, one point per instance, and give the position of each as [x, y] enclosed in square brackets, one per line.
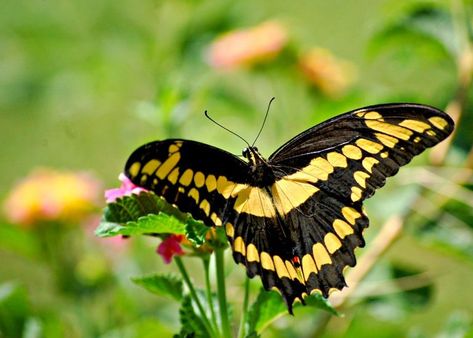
[218, 124]
[264, 121]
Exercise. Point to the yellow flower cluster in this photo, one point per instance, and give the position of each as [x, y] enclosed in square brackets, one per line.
[50, 195]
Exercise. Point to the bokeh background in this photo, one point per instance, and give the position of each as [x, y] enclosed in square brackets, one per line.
[83, 83]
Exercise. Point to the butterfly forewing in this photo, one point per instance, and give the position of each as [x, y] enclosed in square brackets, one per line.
[300, 231]
[195, 177]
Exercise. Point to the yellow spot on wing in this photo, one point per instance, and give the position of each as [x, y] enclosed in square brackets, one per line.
[372, 115]
[172, 177]
[150, 167]
[224, 187]
[360, 178]
[289, 194]
[239, 246]
[430, 133]
[205, 206]
[308, 266]
[211, 183]
[369, 146]
[337, 159]
[280, 267]
[168, 165]
[356, 194]
[351, 151]
[342, 228]
[134, 169]
[186, 178]
[415, 125]
[173, 148]
[438, 122]
[252, 253]
[332, 242]
[291, 270]
[391, 129]
[199, 179]
[254, 201]
[350, 214]
[230, 231]
[387, 140]
[368, 163]
[194, 193]
[266, 261]
[321, 255]
[217, 221]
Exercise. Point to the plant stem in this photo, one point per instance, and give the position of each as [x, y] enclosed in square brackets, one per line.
[195, 297]
[208, 292]
[244, 310]
[222, 300]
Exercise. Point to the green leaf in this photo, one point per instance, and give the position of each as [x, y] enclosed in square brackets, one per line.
[151, 224]
[196, 231]
[163, 285]
[192, 324]
[131, 208]
[430, 23]
[318, 301]
[14, 309]
[267, 307]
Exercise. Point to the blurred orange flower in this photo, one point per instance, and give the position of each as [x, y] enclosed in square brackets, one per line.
[47, 195]
[248, 46]
[328, 73]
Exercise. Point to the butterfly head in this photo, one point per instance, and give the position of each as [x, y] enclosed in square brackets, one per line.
[252, 155]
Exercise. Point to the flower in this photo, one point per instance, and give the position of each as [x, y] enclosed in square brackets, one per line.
[169, 247]
[247, 46]
[330, 74]
[126, 189]
[47, 194]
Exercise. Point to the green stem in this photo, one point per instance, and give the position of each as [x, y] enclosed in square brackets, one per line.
[244, 310]
[194, 296]
[208, 291]
[222, 300]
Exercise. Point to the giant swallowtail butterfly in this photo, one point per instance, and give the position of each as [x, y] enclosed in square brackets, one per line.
[295, 218]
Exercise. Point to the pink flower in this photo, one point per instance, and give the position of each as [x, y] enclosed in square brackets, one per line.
[126, 189]
[170, 247]
[51, 195]
[248, 46]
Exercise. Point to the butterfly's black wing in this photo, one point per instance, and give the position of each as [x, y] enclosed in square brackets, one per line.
[195, 177]
[299, 232]
[322, 177]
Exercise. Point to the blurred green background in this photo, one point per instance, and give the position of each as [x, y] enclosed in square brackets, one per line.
[82, 84]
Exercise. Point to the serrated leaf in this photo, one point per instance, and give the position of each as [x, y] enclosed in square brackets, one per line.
[151, 224]
[267, 307]
[163, 285]
[196, 231]
[192, 324]
[130, 208]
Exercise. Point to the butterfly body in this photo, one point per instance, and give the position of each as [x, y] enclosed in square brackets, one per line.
[295, 218]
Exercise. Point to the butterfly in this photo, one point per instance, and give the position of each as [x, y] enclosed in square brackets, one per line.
[295, 218]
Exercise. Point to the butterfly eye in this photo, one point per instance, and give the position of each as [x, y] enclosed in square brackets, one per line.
[245, 152]
[256, 149]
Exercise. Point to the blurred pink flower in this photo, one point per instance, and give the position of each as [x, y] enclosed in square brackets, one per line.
[169, 247]
[47, 194]
[126, 189]
[248, 46]
[329, 74]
